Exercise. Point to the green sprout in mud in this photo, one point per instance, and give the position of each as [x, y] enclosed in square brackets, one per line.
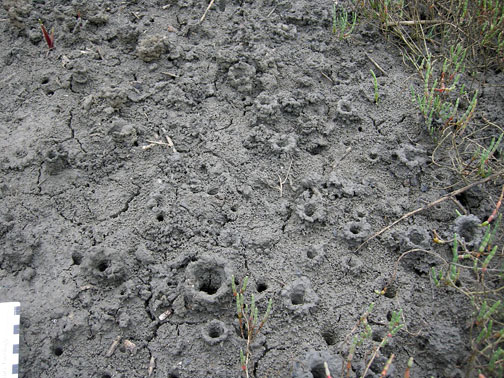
[343, 21]
[395, 324]
[375, 84]
[439, 100]
[248, 320]
[484, 170]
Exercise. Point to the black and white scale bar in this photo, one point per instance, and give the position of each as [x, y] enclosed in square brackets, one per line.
[9, 339]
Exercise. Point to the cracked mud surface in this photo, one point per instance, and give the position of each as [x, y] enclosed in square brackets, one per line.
[147, 159]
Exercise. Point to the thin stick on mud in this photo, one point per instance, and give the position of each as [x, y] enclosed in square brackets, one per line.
[376, 64]
[429, 205]
[282, 182]
[414, 22]
[113, 346]
[206, 11]
[152, 365]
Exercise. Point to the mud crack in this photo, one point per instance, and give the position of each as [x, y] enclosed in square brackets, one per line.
[72, 132]
[126, 205]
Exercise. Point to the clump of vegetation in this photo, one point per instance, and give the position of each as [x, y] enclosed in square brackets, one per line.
[344, 22]
[248, 320]
[452, 44]
[487, 328]
[362, 332]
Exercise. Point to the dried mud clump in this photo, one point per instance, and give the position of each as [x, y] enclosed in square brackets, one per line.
[267, 108]
[310, 207]
[411, 156]
[17, 252]
[151, 48]
[467, 228]
[241, 77]
[283, 143]
[337, 187]
[345, 113]
[314, 255]
[313, 365]
[105, 265]
[207, 282]
[299, 297]
[214, 332]
[56, 160]
[353, 265]
[356, 231]
[415, 237]
[123, 132]
[17, 10]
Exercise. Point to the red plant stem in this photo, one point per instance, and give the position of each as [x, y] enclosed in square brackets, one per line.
[49, 38]
[387, 366]
[497, 207]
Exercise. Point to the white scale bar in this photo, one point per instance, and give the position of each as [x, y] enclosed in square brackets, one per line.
[9, 339]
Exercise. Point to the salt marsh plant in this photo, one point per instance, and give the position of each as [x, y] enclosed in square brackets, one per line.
[344, 22]
[248, 320]
[487, 327]
[375, 84]
[362, 332]
[440, 99]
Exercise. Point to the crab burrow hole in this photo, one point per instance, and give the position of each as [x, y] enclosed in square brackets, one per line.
[210, 281]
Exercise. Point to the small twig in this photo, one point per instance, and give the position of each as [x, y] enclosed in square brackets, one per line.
[282, 182]
[428, 206]
[152, 365]
[169, 74]
[327, 77]
[157, 142]
[270, 13]
[459, 205]
[206, 11]
[348, 150]
[376, 64]
[164, 315]
[170, 143]
[113, 346]
[413, 22]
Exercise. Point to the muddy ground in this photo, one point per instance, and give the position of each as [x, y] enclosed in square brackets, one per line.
[148, 158]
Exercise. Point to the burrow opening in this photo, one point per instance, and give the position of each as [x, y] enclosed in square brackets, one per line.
[355, 229]
[416, 237]
[261, 286]
[103, 265]
[58, 351]
[210, 281]
[215, 331]
[297, 296]
[318, 371]
[310, 209]
[329, 337]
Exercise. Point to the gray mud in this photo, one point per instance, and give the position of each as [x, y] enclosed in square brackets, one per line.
[147, 158]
